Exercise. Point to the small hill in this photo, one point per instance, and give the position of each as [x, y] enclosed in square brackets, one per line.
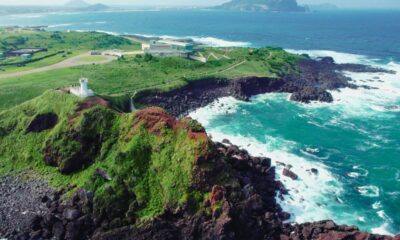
[96, 7]
[262, 6]
[75, 4]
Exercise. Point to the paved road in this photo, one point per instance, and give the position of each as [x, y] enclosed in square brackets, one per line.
[70, 62]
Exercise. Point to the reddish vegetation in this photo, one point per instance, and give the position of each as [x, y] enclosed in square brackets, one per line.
[155, 119]
[217, 194]
[89, 103]
[197, 135]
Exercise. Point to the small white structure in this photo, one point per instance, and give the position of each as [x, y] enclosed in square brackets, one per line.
[82, 90]
[114, 53]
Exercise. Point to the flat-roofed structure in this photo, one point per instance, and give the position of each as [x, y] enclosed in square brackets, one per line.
[169, 47]
[178, 45]
[22, 51]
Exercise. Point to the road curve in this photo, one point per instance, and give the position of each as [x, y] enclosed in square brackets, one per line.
[70, 62]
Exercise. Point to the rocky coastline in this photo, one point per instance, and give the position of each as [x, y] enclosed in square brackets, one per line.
[312, 83]
[243, 208]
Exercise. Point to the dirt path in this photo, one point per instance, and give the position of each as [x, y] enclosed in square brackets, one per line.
[70, 62]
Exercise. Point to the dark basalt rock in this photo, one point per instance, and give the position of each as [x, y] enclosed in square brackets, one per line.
[290, 174]
[315, 77]
[308, 94]
[243, 208]
[42, 122]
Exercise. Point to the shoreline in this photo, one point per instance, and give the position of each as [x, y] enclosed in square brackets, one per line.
[196, 94]
[208, 91]
[257, 178]
[313, 83]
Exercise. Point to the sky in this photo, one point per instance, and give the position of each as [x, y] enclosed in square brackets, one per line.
[341, 3]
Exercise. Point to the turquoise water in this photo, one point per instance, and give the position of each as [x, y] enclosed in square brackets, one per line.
[354, 142]
[372, 33]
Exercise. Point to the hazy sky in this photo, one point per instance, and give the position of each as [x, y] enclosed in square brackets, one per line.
[340, 3]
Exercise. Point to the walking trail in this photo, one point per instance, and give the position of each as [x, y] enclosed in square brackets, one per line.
[70, 62]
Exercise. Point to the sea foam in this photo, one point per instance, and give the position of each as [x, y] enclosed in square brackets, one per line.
[308, 201]
[207, 41]
[377, 92]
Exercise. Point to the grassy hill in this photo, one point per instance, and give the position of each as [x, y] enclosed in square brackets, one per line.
[146, 158]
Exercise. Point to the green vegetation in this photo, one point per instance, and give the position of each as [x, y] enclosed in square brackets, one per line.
[60, 45]
[92, 59]
[149, 156]
[136, 164]
[135, 73]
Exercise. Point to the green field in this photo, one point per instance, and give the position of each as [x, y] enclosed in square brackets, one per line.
[67, 44]
[130, 74]
[92, 59]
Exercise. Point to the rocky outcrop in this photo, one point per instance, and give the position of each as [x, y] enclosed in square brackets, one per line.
[312, 83]
[309, 94]
[243, 207]
[290, 174]
[327, 230]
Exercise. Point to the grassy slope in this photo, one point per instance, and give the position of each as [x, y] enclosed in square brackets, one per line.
[150, 162]
[72, 43]
[133, 73]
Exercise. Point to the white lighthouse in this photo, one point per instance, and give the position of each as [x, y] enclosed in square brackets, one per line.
[84, 87]
[83, 90]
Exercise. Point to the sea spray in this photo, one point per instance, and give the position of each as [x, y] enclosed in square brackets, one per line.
[355, 126]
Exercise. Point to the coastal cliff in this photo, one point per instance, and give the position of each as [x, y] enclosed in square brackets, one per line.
[142, 175]
[312, 81]
[262, 6]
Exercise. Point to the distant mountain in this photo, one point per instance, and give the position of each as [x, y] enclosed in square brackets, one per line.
[76, 4]
[322, 7]
[81, 5]
[262, 6]
[96, 7]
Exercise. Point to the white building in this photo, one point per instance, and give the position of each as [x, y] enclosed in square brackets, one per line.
[82, 90]
[114, 52]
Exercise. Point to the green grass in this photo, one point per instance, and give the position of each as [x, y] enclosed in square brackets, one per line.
[71, 43]
[92, 59]
[132, 74]
[150, 166]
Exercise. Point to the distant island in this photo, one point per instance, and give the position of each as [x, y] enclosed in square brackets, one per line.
[71, 6]
[263, 6]
[84, 6]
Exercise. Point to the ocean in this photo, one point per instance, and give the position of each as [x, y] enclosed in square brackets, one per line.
[354, 142]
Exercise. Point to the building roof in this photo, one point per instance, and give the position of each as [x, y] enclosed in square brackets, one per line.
[26, 51]
[176, 43]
